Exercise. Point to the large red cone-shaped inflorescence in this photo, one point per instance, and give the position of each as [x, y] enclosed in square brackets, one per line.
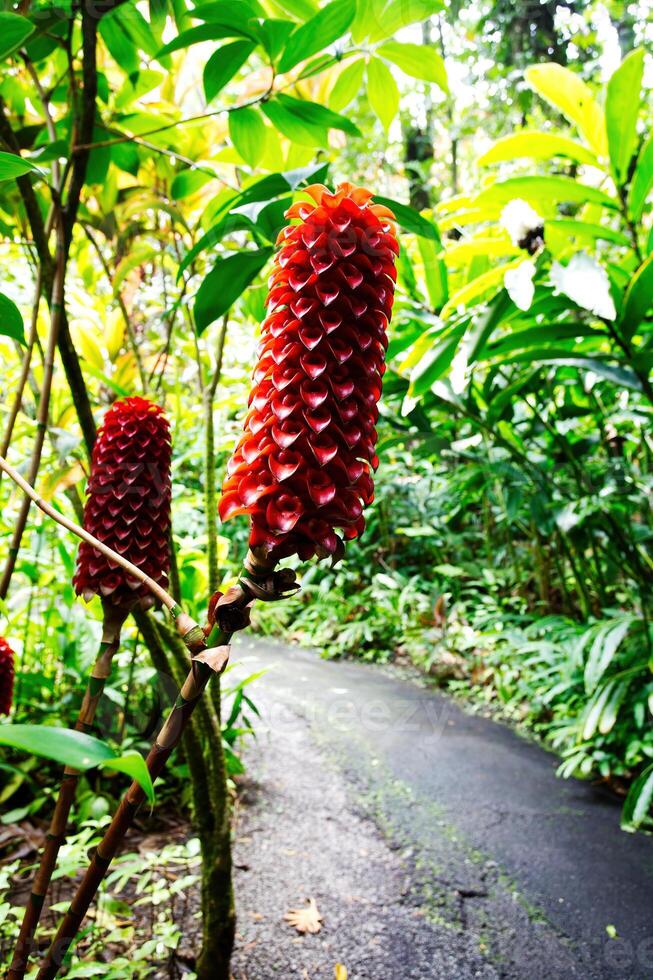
[6, 676]
[128, 506]
[302, 467]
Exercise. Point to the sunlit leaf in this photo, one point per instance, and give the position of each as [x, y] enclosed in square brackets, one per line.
[416, 60]
[565, 90]
[382, 91]
[621, 111]
[248, 134]
[11, 320]
[223, 65]
[14, 31]
[317, 33]
[536, 146]
[222, 287]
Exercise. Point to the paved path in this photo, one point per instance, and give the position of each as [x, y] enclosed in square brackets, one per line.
[436, 844]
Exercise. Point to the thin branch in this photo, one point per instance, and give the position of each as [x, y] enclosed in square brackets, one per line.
[44, 405]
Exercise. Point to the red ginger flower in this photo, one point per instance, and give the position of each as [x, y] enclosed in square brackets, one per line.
[128, 506]
[6, 677]
[302, 467]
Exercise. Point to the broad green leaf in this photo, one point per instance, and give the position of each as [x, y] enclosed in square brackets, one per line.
[606, 642]
[435, 272]
[323, 29]
[377, 20]
[382, 91]
[273, 35]
[12, 166]
[434, 364]
[570, 228]
[637, 806]
[621, 110]
[642, 181]
[536, 146]
[14, 31]
[292, 126]
[75, 749]
[537, 189]
[223, 65]
[477, 287]
[410, 219]
[348, 85]
[225, 283]
[567, 92]
[215, 234]
[205, 32]
[228, 11]
[416, 60]
[317, 115]
[638, 299]
[11, 321]
[188, 182]
[248, 134]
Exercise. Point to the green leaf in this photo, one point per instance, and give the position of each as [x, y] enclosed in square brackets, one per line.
[537, 189]
[416, 60]
[75, 749]
[223, 65]
[637, 806]
[188, 182]
[314, 114]
[536, 146]
[621, 111]
[11, 321]
[205, 32]
[133, 764]
[292, 126]
[323, 29]
[605, 644]
[569, 93]
[380, 19]
[638, 298]
[410, 220]
[434, 364]
[248, 134]
[12, 166]
[382, 91]
[14, 31]
[215, 234]
[233, 12]
[642, 181]
[347, 86]
[225, 283]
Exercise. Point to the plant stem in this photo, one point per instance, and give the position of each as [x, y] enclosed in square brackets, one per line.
[197, 679]
[114, 617]
[209, 461]
[44, 405]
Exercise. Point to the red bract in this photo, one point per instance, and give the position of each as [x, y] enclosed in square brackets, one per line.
[6, 676]
[128, 506]
[303, 466]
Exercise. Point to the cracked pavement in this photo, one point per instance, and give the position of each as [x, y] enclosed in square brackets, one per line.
[435, 843]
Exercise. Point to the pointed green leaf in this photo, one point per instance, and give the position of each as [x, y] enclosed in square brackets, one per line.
[621, 111]
[536, 146]
[639, 298]
[14, 31]
[323, 29]
[348, 85]
[410, 220]
[225, 283]
[11, 321]
[416, 60]
[248, 134]
[223, 65]
[567, 92]
[642, 181]
[12, 165]
[382, 91]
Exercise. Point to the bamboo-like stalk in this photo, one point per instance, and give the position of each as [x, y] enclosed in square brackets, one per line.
[56, 313]
[258, 579]
[114, 618]
[211, 509]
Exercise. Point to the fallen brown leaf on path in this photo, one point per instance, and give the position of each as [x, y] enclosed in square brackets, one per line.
[305, 920]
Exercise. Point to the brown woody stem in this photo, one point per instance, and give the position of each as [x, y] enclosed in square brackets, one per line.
[114, 617]
[258, 580]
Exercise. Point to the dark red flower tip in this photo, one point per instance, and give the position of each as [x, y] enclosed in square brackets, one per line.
[303, 465]
[128, 505]
[7, 671]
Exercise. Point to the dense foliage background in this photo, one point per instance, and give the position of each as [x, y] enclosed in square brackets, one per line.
[508, 553]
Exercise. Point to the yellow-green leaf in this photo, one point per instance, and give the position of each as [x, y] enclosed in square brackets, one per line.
[536, 146]
[621, 111]
[417, 60]
[382, 91]
[569, 93]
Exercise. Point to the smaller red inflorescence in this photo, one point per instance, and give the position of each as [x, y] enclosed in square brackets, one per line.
[303, 466]
[128, 505]
[6, 677]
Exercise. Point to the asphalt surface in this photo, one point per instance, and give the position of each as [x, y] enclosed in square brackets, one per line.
[435, 843]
